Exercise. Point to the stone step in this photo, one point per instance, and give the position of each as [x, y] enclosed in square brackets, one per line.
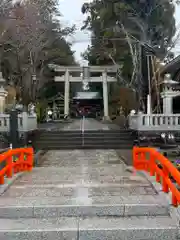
[54, 207]
[79, 137]
[47, 146]
[78, 192]
[79, 131]
[105, 165]
[73, 178]
[75, 147]
[90, 138]
[146, 228]
[94, 139]
[85, 141]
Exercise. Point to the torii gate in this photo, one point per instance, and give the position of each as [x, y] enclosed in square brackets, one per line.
[68, 78]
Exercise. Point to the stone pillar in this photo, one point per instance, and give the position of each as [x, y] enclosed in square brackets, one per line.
[149, 109]
[167, 105]
[66, 94]
[3, 95]
[54, 111]
[2, 104]
[14, 134]
[105, 96]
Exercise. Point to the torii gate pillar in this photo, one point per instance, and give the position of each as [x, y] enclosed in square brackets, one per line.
[66, 93]
[105, 96]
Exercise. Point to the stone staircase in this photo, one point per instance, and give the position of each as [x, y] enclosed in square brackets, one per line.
[53, 203]
[90, 139]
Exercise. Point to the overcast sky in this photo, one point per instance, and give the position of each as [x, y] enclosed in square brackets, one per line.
[71, 11]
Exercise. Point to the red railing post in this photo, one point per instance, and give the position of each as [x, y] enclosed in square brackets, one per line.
[1, 173]
[152, 163]
[135, 156]
[9, 172]
[139, 159]
[165, 177]
[21, 160]
[30, 159]
[174, 200]
[2, 179]
[158, 178]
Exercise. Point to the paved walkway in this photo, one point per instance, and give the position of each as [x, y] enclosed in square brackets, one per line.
[52, 125]
[86, 124]
[80, 177]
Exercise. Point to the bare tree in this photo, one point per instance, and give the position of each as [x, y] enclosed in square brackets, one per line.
[5, 8]
[31, 31]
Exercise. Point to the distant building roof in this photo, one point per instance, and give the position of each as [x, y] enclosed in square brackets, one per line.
[87, 95]
[173, 67]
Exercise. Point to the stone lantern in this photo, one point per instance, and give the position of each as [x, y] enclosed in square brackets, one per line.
[3, 94]
[168, 93]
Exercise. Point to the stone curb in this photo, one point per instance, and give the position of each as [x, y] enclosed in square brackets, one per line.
[37, 155]
[124, 159]
[10, 181]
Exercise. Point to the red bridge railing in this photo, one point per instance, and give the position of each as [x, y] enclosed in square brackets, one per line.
[14, 161]
[148, 159]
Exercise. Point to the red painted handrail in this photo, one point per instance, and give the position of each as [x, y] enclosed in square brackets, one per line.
[23, 162]
[151, 165]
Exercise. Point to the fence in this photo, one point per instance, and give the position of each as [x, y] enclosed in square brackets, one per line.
[148, 159]
[26, 122]
[154, 122]
[15, 160]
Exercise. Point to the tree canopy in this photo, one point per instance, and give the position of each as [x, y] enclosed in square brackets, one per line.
[31, 37]
[119, 28]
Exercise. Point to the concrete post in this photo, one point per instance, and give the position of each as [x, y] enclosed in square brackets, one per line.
[149, 109]
[54, 111]
[66, 94]
[3, 95]
[105, 96]
[167, 105]
[14, 135]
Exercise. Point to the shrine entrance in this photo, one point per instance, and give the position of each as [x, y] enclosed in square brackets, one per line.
[88, 104]
[55, 107]
[86, 74]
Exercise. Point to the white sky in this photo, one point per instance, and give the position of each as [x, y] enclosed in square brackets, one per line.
[71, 11]
[177, 17]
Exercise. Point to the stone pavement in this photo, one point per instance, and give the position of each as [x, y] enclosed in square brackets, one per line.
[52, 125]
[125, 155]
[84, 194]
[86, 124]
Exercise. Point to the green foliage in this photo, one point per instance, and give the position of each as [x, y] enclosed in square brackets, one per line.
[40, 110]
[144, 21]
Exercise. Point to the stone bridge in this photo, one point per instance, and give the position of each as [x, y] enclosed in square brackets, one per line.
[85, 194]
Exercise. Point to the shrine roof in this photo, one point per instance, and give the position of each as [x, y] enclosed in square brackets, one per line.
[59, 96]
[87, 95]
[173, 67]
